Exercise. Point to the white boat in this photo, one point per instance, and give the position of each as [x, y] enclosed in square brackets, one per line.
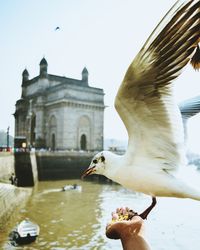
[72, 187]
[25, 232]
[28, 228]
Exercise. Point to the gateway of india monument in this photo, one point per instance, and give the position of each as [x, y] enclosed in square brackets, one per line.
[59, 113]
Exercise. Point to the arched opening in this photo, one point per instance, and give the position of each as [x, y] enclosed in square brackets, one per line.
[33, 125]
[84, 133]
[53, 142]
[83, 142]
[52, 132]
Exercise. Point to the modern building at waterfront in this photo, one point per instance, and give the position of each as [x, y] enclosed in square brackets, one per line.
[59, 112]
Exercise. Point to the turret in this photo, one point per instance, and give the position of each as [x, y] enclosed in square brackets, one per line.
[85, 75]
[43, 68]
[25, 76]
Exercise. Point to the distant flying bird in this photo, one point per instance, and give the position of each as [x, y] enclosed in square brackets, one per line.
[146, 105]
[57, 28]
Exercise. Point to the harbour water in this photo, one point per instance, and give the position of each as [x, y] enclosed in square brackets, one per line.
[77, 220]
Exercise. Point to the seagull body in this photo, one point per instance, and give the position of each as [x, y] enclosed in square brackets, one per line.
[133, 175]
[147, 107]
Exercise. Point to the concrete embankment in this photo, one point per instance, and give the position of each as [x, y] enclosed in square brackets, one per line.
[11, 197]
[11, 200]
[7, 165]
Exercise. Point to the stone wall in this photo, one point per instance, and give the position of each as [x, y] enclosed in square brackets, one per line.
[62, 165]
[26, 168]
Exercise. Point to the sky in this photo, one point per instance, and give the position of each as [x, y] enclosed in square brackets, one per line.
[102, 35]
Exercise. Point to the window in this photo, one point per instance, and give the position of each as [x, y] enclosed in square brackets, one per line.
[83, 142]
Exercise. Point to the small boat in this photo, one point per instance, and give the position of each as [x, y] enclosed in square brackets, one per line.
[25, 232]
[72, 187]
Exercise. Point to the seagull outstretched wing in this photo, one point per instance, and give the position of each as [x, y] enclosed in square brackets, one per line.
[145, 100]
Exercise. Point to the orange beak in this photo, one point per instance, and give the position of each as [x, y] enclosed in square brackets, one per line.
[88, 171]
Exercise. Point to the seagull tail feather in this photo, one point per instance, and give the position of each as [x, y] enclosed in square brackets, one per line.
[195, 61]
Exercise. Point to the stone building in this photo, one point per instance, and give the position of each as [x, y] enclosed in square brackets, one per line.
[59, 113]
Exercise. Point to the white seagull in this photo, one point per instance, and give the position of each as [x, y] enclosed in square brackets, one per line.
[146, 105]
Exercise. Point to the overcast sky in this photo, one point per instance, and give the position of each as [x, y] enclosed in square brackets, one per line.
[102, 35]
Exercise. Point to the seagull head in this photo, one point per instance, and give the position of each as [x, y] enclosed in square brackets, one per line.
[97, 165]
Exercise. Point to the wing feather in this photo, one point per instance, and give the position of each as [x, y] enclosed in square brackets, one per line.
[145, 101]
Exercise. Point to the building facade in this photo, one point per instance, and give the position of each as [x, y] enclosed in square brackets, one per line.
[60, 113]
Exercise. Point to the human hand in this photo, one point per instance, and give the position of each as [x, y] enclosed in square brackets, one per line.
[127, 226]
[124, 222]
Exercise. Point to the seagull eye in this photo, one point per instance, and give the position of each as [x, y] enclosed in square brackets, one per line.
[102, 158]
[95, 161]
